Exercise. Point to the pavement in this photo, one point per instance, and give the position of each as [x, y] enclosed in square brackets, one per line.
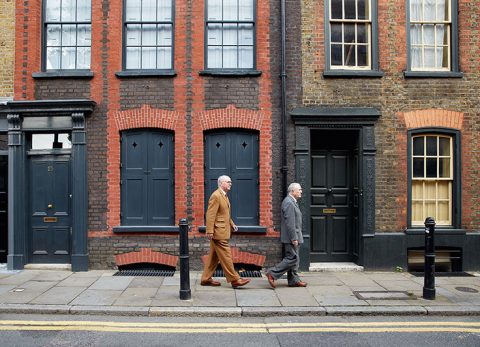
[347, 293]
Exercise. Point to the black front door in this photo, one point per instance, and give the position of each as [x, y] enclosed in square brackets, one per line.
[50, 200]
[3, 208]
[333, 199]
[234, 153]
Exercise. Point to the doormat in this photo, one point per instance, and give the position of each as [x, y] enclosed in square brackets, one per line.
[444, 274]
[384, 295]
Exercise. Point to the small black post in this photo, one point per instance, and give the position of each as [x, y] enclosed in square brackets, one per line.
[185, 292]
[429, 271]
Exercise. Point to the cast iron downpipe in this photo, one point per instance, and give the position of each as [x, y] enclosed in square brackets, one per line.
[283, 76]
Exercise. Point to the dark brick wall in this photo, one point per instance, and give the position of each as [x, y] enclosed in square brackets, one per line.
[241, 92]
[158, 93]
[62, 89]
[102, 251]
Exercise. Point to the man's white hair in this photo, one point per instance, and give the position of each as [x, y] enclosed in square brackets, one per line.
[293, 186]
[222, 179]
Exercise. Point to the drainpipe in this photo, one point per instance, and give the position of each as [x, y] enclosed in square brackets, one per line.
[283, 76]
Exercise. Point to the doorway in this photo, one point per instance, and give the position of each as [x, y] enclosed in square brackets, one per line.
[334, 193]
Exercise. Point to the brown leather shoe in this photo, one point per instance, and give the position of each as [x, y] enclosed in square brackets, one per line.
[271, 280]
[298, 284]
[240, 282]
[210, 282]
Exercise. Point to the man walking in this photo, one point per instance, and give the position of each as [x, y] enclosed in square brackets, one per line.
[219, 225]
[291, 237]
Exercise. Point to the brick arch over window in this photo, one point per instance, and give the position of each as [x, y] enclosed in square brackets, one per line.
[231, 117]
[146, 117]
[146, 255]
[433, 118]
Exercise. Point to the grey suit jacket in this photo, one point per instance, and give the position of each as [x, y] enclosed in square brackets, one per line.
[291, 226]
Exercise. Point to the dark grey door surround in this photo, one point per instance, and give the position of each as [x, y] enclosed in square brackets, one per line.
[45, 115]
[363, 121]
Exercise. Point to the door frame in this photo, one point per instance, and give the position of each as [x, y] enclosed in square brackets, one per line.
[330, 118]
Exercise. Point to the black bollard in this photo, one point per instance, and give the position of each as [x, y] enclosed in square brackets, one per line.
[185, 292]
[429, 271]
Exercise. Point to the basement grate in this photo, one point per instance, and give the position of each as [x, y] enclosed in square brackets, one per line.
[140, 272]
[466, 289]
[244, 273]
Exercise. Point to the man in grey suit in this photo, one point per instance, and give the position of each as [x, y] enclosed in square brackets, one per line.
[291, 237]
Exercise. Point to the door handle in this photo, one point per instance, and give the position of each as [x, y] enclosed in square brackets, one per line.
[329, 190]
[49, 205]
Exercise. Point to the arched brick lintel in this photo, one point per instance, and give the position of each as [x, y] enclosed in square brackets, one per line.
[146, 117]
[239, 257]
[231, 117]
[146, 255]
[433, 118]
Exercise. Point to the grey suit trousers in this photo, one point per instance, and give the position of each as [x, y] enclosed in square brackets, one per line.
[288, 264]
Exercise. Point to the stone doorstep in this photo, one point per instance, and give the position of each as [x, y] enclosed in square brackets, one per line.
[334, 267]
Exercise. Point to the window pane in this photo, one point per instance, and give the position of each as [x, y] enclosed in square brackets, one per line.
[68, 10]
[149, 35]
[53, 58]
[84, 11]
[214, 9]
[230, 10]
[431, 167]
[164, 10]
[336, 6]
[245, 34]
[416, 34]
[245, 57]
[133, 10]
[133, 58]
[350, 9]
[53, 35]
[431, 145]
[429, 34]
[418, 167]
[416, 55]
[52, 13]
[246, 10]
[418, 145]
[444, 146]
[336, 33]
[214, 57]
[349, 33]
[164, 37]
[149, 58]
[417, 211]
[69, 35]
[336, 55]
[133, 35]
[164, 58]
[429, 10]
[443, 212]
[83, 57]
[362, 33]
[430, 192]
[229, 34]
[417, 190]
[84, 35]
[444, 168]
[149, 10]
[215, 34]
[430, 209]
[350, 55]
[362, 58]
[68, 57]
[415, 10]
[363, 9]
[442, 10]
[443, 190]
[230, 57]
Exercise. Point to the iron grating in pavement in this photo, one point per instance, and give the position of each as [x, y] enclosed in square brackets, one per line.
[466, 289]
[384, 295]
[140, 272]
[244, 273]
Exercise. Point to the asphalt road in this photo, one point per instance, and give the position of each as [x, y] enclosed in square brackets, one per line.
[50, 330]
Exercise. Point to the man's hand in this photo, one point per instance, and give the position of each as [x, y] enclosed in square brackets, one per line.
[209, 236]
[295, 243]
[235, 228]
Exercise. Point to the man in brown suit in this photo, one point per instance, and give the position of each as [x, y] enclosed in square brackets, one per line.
[219, 225]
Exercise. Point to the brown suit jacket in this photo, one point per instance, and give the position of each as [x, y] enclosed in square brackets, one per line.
[218, 220]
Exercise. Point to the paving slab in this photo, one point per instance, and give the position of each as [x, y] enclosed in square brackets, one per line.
[58, 296]
[215, 299]
[6, 288]
[19, 277]
[110, 310]
[256, 297]
[22, 297]
[375, 310]
[295, 297]
[170, 296]
[339, 301]
[77, 282]
[146, 282]
[50, 275]
[111, 283]
[34, 309]
[136, 297]
[92, 297]
[36, 286]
